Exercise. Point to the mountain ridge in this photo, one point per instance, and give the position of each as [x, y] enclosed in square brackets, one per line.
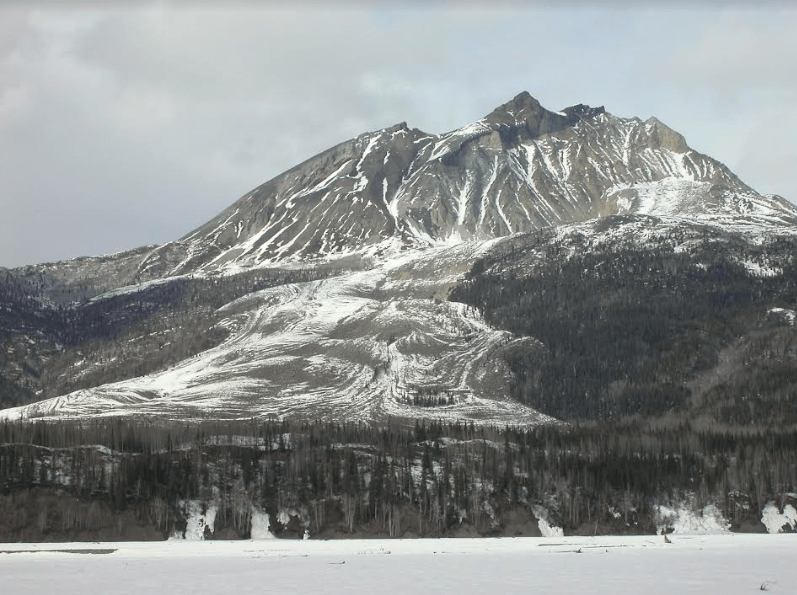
[327, 290]
[531, 168]
[519, 168]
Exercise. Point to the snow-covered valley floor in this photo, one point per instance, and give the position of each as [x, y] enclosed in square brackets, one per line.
[704, 564]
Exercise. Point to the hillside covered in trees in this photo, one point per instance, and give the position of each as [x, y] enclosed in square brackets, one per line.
[116, 480]
[692, 322]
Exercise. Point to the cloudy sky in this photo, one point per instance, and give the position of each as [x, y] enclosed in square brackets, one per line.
[120, 128]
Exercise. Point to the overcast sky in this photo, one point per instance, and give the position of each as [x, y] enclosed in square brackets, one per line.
[120, 128]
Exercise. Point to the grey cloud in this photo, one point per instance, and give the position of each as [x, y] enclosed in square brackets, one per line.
[738, 54]
[267, 53]
[745, 62]
[131, 128]
[768, 153]
[14, 30]
[124, 127]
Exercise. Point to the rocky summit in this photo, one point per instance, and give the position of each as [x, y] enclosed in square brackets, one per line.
[405, 275]
[518, 169]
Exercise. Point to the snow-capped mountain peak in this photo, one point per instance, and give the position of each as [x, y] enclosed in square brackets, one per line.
[520, 168]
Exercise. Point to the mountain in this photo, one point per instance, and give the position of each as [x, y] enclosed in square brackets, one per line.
[529, 267]
[518, 169]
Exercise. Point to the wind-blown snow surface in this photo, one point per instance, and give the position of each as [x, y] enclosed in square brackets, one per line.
[359, 346]
[703, 565]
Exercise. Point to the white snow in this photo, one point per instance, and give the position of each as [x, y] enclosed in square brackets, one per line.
[368, 148]
[464, 196]
[326, 182]
[668, 197]
[500, 210]
[261, 525]
[776, 520]
[486, 193]
[452, 141]
[759, 270]
[197, 521]
[684, 520]
[699, 565]
[787, 314]
[546, 529]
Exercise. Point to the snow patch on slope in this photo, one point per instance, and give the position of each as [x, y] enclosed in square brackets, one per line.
[784, 313]
[759, 270]
[261, 525]
[684, 519]
[775, 520]
[200, 518]
[546, 528]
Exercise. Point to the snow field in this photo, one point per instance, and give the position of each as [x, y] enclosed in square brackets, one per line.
[705, 565]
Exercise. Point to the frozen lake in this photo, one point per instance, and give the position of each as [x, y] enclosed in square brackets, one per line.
[701, 564]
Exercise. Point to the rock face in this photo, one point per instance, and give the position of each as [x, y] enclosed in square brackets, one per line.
[518, 169]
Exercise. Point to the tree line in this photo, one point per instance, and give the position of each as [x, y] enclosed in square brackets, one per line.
[431, 478]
